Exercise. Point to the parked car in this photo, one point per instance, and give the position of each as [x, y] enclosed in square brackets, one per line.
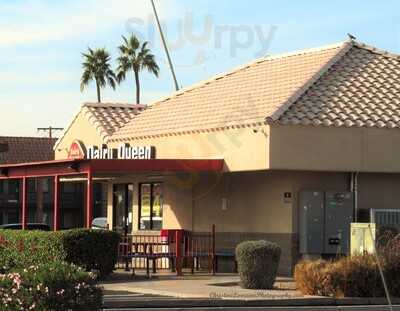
[100, 223]
[29, 226]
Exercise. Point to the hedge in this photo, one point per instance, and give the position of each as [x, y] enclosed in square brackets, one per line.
[258, 263]
[20, 249]
[90, 249]
[52, 286]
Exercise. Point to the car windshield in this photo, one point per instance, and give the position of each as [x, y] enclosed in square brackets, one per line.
[100, 222]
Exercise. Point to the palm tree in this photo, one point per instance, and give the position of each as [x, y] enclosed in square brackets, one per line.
[136, 57]
[96, 66]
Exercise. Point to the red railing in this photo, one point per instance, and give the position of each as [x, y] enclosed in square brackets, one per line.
[174, 251]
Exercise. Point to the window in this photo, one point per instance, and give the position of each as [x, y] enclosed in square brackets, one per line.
[13, 187]
[1, 186]
[150, 206]
[32, 185]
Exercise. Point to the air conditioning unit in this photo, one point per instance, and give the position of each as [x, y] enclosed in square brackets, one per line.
[385, 216]
[362, 238]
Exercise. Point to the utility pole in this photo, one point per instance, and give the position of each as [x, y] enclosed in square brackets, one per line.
[171, 67]
[49, 129]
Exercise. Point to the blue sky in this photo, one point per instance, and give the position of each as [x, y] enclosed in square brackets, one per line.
[41, 42]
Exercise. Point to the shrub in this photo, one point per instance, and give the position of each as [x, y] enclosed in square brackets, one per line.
[310, 277]
[91, 249]
[356, 276]
[258, 263]
[390, 254]
[53, 286]
[19, 248]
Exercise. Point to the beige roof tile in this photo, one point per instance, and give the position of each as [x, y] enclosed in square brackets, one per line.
[368, 96]
[348, 84]
[244, 96]
[107, 118]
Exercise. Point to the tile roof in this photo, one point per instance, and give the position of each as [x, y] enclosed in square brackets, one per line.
[246, 95]
[106, 117]
[361, 89]
[346, 84]
[26, 149]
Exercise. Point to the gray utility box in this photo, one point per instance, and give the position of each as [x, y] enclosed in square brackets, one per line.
[338, 219]
[325, 219]
[311, 217]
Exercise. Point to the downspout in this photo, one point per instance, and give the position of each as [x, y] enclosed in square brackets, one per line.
[354, 190]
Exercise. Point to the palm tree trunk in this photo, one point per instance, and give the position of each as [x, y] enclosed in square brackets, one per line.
[137, 86]
[98, 93]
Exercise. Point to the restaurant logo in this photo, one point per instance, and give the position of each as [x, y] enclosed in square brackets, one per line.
[123, 152]
[77, 150]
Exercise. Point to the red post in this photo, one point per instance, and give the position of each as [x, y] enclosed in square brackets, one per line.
[89, 199]
[213, 250]
[23, 201]
[178, 251]
[56, 211]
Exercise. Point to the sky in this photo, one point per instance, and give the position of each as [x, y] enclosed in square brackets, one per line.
[41, 42]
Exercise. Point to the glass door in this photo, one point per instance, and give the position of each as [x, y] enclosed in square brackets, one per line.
[122, 208]
[150, 206]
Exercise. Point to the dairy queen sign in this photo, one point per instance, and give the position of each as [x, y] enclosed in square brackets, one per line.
[123, 152]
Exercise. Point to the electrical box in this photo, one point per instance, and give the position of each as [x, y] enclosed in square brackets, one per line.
[311, 218]
[338, 217]
[363, 237]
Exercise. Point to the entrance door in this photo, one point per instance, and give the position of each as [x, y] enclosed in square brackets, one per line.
[122, 208]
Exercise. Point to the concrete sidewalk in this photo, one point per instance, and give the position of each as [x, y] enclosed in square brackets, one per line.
[166, 290]
[197, 286]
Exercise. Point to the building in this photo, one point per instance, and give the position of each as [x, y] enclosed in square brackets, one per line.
[22, 150]
[253, 151]
[26, 149]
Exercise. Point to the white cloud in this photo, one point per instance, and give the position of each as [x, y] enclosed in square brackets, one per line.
[42, 21]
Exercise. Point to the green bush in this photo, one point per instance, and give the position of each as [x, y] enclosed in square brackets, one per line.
[19, 248]
[258, 263]
[90, 249]
[53, 286]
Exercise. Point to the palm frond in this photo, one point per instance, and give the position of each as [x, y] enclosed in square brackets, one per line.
[96, 67]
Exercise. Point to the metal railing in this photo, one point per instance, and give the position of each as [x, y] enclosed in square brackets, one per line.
[184, 249]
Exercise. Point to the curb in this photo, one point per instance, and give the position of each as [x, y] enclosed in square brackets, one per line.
[173, 302]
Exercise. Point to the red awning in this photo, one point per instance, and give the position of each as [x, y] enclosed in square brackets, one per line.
[74, 167]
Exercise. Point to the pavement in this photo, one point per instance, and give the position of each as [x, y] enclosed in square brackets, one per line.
[206, 292]
[197, 286]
